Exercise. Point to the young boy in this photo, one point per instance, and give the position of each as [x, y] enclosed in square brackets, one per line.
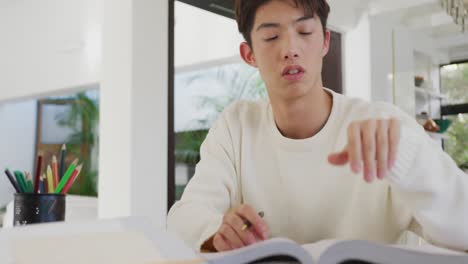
[285, 156]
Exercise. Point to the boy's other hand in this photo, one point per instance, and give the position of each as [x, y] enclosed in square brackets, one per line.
[374, 144]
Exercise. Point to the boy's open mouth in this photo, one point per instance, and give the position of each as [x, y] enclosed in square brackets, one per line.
[293, 72]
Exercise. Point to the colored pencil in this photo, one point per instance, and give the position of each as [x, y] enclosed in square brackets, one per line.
[72, 179]
[55, 171]
[30, 186]
[66, 176]
[41, 185]
[46, 186]
[38, 172]
[25, 181]
[29, 181]
[63, 153]
[21, 181]
[13, 181]
[50, 180]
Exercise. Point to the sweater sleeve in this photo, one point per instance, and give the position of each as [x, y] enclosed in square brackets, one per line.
[211, 191]
[429, 182]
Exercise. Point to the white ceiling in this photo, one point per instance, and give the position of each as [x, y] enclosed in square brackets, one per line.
[424, 16]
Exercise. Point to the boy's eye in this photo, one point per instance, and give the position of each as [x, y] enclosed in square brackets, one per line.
[305, 33]
[272, 38]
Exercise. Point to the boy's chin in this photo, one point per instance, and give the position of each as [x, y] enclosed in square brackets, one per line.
[294, 91]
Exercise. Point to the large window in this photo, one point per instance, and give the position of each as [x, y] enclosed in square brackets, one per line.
[454, 84]
[200, 96]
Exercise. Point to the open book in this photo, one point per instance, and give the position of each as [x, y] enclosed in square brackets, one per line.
[136, 240]
[283, 251]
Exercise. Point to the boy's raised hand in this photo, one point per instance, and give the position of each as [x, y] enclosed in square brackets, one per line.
[374, 144]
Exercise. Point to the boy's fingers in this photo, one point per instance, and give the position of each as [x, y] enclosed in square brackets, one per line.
[393, 141]
[340, 158]
[368, 150]
[236, 222]
[354, 147]
[220, 243]
[258, 224]
[231, 236]
[382, 148]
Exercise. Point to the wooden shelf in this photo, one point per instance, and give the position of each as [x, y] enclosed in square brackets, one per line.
[430, 93]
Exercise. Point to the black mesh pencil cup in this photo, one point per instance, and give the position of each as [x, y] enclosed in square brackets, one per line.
[32, 208]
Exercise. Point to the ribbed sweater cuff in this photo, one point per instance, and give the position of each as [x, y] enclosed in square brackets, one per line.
[410, 145]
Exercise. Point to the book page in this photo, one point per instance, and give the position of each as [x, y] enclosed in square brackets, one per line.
[317, 248]
[115, 247]
[431, 249]
[337, 251]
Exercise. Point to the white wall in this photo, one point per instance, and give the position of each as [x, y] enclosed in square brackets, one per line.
[17, 141]
[48, 45]
[356, 60]
[392, 47]
[381, 27]
[403, 71]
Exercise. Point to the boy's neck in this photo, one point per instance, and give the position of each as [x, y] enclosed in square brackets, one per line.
[303, 117]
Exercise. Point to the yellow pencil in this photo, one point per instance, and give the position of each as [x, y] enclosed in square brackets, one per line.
[50, 180]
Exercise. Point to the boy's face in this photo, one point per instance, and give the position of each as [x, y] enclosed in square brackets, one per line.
[287, 48]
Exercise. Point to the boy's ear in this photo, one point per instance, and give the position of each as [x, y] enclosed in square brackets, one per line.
[326, 43]
[247, 54]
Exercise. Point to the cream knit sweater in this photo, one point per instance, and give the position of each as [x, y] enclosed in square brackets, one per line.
[246, 160]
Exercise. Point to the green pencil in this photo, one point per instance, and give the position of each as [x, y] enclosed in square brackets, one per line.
[21, 181]
[66, 176]
[27, 182]
[30, 186]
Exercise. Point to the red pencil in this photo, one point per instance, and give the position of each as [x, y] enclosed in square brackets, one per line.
[38, 173]
[72, 179]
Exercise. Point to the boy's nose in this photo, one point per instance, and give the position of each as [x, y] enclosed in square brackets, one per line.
[291, 54]
[290, 49]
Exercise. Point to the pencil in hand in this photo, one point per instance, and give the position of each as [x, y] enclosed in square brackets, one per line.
[248, 224]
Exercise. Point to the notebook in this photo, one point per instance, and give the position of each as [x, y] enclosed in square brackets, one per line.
[137, 240]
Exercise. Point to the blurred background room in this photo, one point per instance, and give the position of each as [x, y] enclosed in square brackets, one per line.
[132, 87]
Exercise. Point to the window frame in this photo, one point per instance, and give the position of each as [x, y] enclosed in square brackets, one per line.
[451, 109]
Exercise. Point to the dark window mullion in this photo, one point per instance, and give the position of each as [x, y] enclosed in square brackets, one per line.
[454, 109]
